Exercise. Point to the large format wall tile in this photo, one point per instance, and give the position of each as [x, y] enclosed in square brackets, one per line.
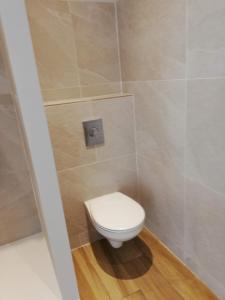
[205, 132]
[101, 89]
[118, 121]
[18, 213]
[204, 237]
[205, 187]
[61, 94]
[52, 34]
[96, 40]
[12, 157]
[86, 182]
[67, 135]
[76, 47]
[161, 190]
[152, 39]
[160, 116]
[206, 38]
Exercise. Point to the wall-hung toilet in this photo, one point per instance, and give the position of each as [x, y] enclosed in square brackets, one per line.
[116, 217]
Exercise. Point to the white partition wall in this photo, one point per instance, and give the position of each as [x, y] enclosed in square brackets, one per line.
[18, 41]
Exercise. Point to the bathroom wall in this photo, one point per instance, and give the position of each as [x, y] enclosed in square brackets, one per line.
[18, 214]
[152, 40]
[77, 54]
[173, 60]
[85, 173]
[76, 47]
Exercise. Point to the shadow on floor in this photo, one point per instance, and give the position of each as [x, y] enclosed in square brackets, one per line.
[130, 261]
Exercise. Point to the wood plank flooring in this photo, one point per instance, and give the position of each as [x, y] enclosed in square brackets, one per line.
[143, 269]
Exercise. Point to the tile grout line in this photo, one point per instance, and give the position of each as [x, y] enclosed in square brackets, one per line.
[136, 154]
[185, 218]
[137, 81]
[118, 44]
[75, 47]
[178, 79]
[98, 162]
[205, 186]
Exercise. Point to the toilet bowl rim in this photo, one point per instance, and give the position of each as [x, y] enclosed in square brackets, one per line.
[119, 230]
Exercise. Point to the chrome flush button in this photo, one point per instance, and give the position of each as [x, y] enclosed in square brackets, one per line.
[93, 131]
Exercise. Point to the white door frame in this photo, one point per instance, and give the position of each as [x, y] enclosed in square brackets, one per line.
[23, 68]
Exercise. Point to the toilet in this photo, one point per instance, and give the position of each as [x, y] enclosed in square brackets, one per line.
[116, 216]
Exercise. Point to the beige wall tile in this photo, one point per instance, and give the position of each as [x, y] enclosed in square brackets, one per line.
[61, 94]
[161, 190]
[12, 154]
[118, 122]
[160, 116]
[152, 39]
[205, 244]
[86, 182]
[67, 135]
[205, 133]
[96, 40]
[206, 38]
[102, 89]
[18, 213]
[52, 35]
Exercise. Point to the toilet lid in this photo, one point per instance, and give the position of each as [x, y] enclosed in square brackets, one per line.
[116, 212]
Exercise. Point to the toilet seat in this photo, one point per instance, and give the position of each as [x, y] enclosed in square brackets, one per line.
[116, 212]
[117, 230]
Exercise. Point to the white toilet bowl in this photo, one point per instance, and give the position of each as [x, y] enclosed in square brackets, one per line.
[116, 217]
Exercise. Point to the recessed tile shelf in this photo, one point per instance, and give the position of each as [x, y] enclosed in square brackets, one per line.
[86, 99]
[89, 172]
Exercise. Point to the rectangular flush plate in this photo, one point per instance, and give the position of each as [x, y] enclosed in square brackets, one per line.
[93, 131]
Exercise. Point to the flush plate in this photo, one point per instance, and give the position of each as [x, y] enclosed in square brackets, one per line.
[93, 131]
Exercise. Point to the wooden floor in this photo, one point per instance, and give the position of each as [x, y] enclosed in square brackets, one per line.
[143, 269]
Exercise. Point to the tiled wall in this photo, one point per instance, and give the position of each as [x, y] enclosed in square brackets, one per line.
[85, 173]
[173, 60]
[76, 47]
[18, 215]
